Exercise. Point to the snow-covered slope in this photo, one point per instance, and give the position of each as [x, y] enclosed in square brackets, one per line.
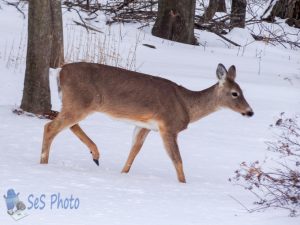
[150, 194]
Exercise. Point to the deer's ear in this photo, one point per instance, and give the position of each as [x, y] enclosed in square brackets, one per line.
[221, 73]
[231, 73]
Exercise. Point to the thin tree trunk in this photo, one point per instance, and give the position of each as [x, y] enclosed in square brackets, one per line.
[221, 6]
[213, 7]
[57, 51]
[285, 9]
[238, 13]
[36, 93]
[88, 4]
[175, 21]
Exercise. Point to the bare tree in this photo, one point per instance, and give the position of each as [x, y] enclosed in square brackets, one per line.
[289, 10]
[221, 6]
[44, 49]
[286, 9]
[175, 21]
[36, 93]
[213, 7]
[57, 50]
[238, 13]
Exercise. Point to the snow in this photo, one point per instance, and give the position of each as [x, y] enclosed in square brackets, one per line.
[211, 148]
[241, 36]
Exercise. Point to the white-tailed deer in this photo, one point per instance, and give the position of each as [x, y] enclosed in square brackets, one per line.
[149, 102]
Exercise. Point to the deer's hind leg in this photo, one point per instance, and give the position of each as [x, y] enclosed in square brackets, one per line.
[139, 136]
[63, 120]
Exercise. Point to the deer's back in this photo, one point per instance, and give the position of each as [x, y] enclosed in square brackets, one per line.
[121, 93]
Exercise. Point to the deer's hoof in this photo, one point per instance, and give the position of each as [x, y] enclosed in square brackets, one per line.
[96, 161]
[44, 160]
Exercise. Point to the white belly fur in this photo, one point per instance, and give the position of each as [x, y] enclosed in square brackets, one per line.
[151, 124]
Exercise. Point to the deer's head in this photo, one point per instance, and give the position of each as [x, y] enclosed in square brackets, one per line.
[230, 95]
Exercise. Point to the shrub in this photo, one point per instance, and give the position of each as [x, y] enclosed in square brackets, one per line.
[278, 187]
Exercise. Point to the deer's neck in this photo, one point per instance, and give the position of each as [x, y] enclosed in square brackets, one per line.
[201, 103]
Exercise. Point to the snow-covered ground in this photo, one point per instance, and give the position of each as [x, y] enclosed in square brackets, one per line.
[211, 148]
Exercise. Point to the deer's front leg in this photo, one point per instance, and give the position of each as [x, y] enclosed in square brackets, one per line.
[170, 143]
[139, 136]
[76, 129]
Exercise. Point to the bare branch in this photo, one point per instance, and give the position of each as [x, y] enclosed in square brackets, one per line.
[278, 187]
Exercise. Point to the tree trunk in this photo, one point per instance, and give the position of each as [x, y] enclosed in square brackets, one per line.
[221, 6]
[238, 13]
[88, 4]
[213, 7]
[286, 10]
[175, 21]
[36, 93]
[57, 51]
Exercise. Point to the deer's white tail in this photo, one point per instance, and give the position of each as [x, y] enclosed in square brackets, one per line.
[56, 72]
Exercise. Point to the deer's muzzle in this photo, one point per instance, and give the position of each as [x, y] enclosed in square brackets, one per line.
[248, 113]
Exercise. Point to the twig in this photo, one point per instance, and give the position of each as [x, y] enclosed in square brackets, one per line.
[16, 5]
[145, 25]
[225, 38]
[80, 17]
[241, 204]
[149, 46]
[90, 27]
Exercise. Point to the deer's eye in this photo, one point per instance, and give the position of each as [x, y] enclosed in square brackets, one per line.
[234, 94]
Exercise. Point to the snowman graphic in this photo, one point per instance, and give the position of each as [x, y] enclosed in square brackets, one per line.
[15, 207]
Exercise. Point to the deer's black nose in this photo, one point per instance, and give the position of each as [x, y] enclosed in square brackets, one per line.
[250, 113]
